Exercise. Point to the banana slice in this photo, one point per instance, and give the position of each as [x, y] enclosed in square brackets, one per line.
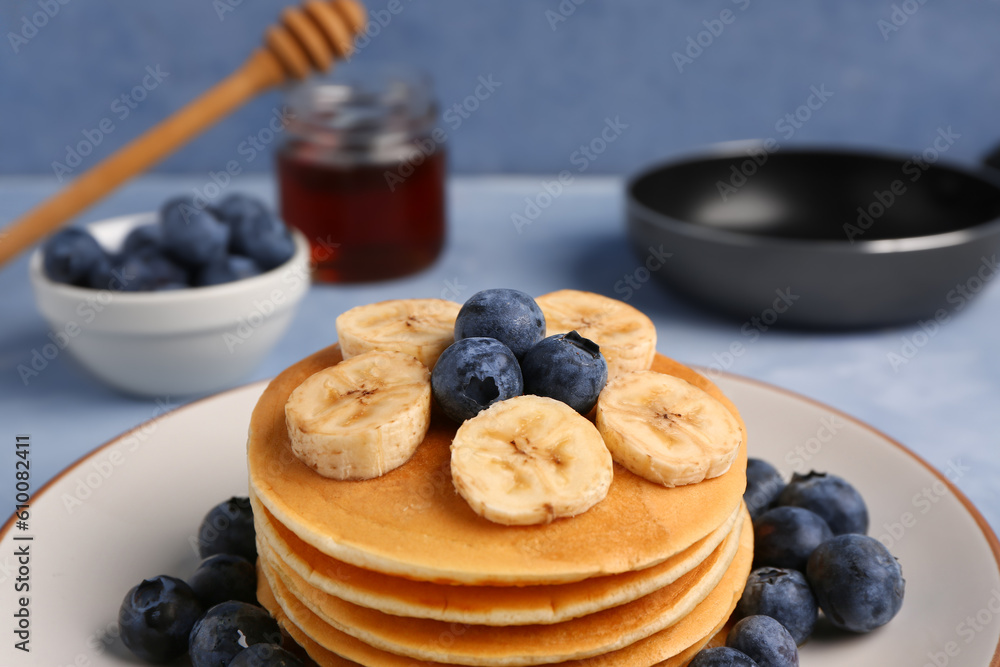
[360, 418]
[422, 328]
[528, 460]
[666, 429]
[627, 337]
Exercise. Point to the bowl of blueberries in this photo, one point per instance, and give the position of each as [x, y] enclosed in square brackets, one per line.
[186, 300]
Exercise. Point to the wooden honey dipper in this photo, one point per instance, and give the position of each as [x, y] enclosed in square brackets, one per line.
[308, 38]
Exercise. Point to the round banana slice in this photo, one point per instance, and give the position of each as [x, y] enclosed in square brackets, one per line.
[667, 430]
[528, 460]
[360, 418]
[422, 328]
[627, 337]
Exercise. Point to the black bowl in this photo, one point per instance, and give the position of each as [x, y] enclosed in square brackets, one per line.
[821, 238]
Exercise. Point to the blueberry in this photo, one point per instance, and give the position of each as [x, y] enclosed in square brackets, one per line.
[785, 596]
[69, 255]
[764, 485]
[858, 583]
[831, 497]
[101, 275]
[228, 529]
[721, 656]
[265, 655]
[139, 272]
[568, 368]
[192, 235]
[239, 206]
[224, 577]
[156, 618]
[765, 640]
[473, 374]
[255, 232]
[228, 628]
[151, 270]
[510, 316]
[144, 237]
[786, 536]
[226, 270]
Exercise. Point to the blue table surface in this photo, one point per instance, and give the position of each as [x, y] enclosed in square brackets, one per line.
[943, 402]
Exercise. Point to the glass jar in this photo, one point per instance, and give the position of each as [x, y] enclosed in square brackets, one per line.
[362, 173]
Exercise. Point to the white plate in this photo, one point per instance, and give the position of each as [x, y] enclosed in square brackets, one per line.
[131, 509]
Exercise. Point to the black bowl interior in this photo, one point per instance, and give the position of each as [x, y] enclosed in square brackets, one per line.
[820, 195]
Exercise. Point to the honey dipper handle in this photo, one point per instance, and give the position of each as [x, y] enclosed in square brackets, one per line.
[261, 71]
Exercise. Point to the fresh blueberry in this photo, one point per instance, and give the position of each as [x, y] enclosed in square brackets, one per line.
[265, 655]
[765, 640]
[156, 618]
[152, 270]
[831, 497]
[764, 485]
[142, 238]
[239, 206]
[139, 272]
[256, 233]
[224, 577]
[510, 316]
[105, 273]
[268, 242]
[472, 374]
[721, 656]
[858, 583]
[228, 628]
[69, 255]
[192, 235]
[786, 537]
[228, 529]
[226, 270]
[784, 595]
[568, 368]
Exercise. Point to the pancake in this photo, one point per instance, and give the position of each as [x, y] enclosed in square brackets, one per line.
[699, 625]
[515, 645]
[481, 605]
[411, 523]
[326, 658]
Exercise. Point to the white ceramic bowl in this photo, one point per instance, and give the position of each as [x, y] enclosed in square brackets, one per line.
[170, 343]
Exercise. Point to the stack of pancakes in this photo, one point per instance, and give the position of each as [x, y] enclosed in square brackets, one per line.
[399, 571]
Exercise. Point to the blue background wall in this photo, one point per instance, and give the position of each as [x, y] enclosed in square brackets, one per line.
[559, 79]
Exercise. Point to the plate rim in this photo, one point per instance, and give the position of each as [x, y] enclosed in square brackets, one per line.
[984, 527]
